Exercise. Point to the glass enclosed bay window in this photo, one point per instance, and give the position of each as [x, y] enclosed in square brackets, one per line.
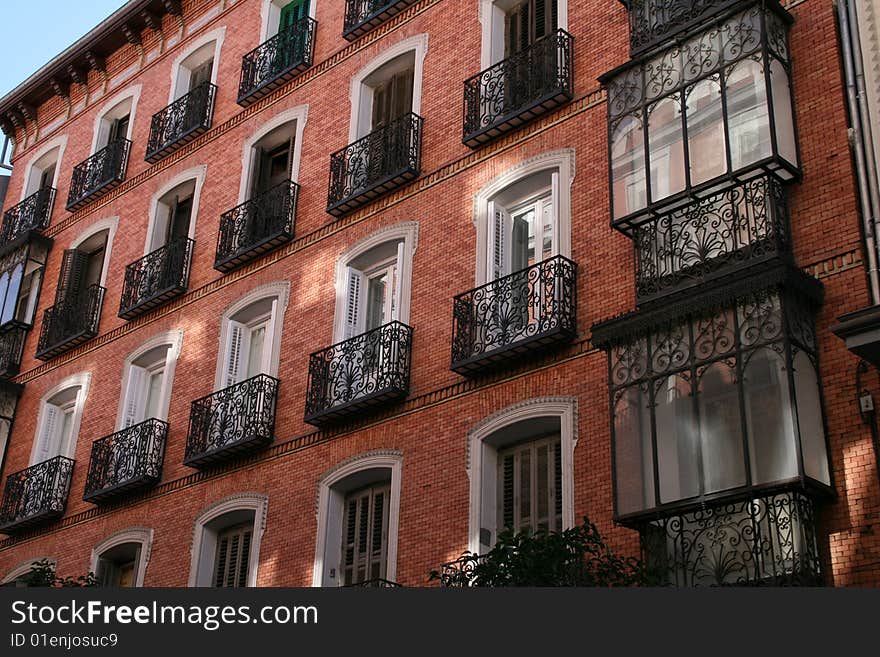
[722, 401]
[714, 108]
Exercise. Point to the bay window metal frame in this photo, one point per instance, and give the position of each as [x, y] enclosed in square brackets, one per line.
[641, 84]
[636, 358]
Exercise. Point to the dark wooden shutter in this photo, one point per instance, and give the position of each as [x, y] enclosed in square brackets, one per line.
[402, 94]
[181, 212]
[201, 74]
[530, 486]
[48, 176]
[233, 554]
[119, 129]
[71, 280]
[365, 534]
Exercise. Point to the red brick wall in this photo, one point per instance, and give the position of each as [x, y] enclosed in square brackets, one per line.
[431, 432]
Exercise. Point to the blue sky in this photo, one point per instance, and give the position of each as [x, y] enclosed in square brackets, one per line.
[34, 31]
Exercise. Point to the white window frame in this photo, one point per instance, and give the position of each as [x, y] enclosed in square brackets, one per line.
[408, 233]
[492, 14]
[482, 462]
[270, 15]
[328, 545]
[195, 173]
[110, 224]
[109, 110]
[299, 115]
[181, 70]
[361, 94]
[171, 339]
[81, 382]
[32, 178]
[204, 541]
[140, 535]
[280, 291]
[563, 163]
[24, 567]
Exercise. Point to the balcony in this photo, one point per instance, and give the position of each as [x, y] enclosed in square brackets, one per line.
[518, 314]
[36, 494]
[278, 60]
[712, 238]
[181, 122]
[125, 461]
[31, 215]
[460, 573]
[12, 337]
[518, 89]
[70, 323]
[769, 540]
[99, 174]
[233, 421]
[361, 16]
[156, 278]
[653, 22]
[383, 160]
[256, 226]
[358, 374]
[377, 583]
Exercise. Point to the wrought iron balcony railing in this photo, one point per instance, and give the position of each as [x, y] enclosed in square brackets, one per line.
[281, 58]
[156, 278]
[32, 214]
[761, 541]
[256, 226]
[654, 22]
[70, 323]
[385, 159]
[356, 374]
[377, 583]
[99, 174]
[36, 494]
[460, 573]
[518, 89]
[710, 238]
[516, 314]
[181, 122]
[12, 338]
[229, 422]
[361, 16]
[127, 460]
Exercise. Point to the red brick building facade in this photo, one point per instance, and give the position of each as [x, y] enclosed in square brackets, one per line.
[402, 464]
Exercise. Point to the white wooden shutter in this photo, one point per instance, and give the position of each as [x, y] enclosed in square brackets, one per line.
[235, 358]
[135, 396]
[47, 445]
[398, 283]
[354, 303]
[500, 228]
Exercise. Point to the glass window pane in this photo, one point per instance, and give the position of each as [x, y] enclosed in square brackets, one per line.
[376, 300]
[628, 167]
[667, 148]
[255, 353]
[153, 394]
[809, 417]
[720, 429]
[634, 469]
[677, 436]
[748, 119]
[782, 113]
[707, 147]
[11, 297]
[4, 287]
[769, 418]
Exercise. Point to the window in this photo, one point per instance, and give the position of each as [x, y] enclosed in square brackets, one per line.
[510, 26]
[226, 542]
[358, 509]
[520, 465]
[115, 121]
[251, 336]
[17, 577]
[279, 15]
[44, 168]
[197, 65]
[82, 268]
[59, 418]
[147, 380]
[21, 274]
[117, 567]
[272, 159]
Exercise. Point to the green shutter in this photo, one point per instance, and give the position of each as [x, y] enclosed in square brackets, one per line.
[292, 12]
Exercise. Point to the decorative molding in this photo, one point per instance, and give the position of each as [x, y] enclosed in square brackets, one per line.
[23, 567]
[344, 468]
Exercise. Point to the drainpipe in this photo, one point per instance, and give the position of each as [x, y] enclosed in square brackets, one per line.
[860, 137]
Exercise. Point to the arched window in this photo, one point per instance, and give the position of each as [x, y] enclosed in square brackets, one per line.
[174, 209]
[358, 509]
[59, 418]
[510, 26]
[43, 170]
[17, 577]
[197, 65]
[148, 376]
[115, 121]
[121, 560]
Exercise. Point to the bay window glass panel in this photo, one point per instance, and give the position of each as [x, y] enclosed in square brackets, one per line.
[783, 117]
[4, 287]
[633, 462]
[12, 293]
[720, 429]
[628, 166]
[707, 145]
[677, 436]
[809, 418]
[772, 448]
[748, 117]
[666, 148]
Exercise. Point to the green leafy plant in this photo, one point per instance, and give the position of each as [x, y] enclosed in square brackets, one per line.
[573, 557]
[42, 573]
